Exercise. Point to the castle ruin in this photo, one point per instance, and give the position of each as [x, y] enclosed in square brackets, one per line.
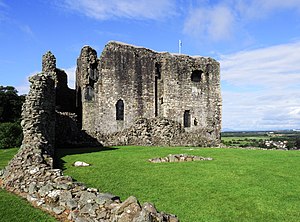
[130, 86]
[129, 95]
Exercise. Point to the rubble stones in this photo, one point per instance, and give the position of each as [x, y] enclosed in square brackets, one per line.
[31, 174]
[179, 158]
[58, 210]
[156, 132]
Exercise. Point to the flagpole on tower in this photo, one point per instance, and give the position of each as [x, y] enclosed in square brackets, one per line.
[179, 46]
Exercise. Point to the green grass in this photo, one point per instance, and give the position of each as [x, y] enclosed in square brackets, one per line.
[14, 208]
[238, 185]
[6, 155]
[236, 138]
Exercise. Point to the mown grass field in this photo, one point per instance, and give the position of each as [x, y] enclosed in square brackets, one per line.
[14, 208]
[238, 185]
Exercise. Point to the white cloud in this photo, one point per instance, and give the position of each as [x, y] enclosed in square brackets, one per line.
[71, 76]
[214, 23]
[24, 86]
[223, 21]
[261, 88]
[263, 67]
[255, 9]
[23, 89]
[132, 9]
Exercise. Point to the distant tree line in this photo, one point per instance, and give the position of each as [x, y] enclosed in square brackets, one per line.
[292, 141]
[10, 114]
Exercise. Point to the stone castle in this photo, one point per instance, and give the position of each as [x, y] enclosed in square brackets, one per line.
[129, 95]
[130, 85]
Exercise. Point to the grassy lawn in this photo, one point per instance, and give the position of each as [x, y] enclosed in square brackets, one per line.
[238, 185]
[6, 155]
[14, 208]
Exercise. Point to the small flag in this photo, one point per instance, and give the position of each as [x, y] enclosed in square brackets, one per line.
[180, 45]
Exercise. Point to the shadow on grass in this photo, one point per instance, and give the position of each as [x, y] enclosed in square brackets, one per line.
[62, 152]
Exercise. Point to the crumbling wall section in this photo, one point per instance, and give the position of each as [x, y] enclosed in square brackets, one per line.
[86, 76]
[38, 122]
[65, 97]
[156, 132]
[31, 175]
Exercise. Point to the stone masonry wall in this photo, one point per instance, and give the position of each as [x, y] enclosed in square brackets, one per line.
[68, 133]
[155, 132]
[65, 97]
[31, 175]
[128, 83]
[38, 122]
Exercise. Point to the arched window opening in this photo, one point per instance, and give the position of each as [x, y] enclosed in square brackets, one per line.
[196, 75]
[187, 118]
[120, 110]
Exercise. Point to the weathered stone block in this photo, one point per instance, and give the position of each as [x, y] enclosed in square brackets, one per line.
[87, 197]
[44, 190]
[58, 210]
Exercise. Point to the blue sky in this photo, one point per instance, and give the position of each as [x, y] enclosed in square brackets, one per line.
[257, 43]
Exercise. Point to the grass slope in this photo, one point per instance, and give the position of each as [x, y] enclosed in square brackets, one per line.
[238, 185]
[14, 208]
[6, 155]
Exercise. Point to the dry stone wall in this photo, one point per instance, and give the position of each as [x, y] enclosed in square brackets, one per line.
[31, 174]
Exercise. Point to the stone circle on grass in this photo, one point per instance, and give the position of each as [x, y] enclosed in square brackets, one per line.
[178, 158]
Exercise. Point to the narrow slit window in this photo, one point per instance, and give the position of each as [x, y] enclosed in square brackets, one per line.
[187, 118]
[158, 70]
[120, 110]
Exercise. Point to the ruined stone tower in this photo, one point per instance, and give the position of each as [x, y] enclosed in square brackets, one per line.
[128, 83]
